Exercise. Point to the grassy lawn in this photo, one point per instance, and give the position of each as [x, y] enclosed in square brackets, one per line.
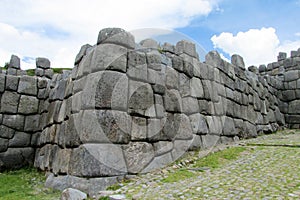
[25, 184]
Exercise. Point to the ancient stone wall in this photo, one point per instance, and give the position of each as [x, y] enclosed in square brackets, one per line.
[129, 108]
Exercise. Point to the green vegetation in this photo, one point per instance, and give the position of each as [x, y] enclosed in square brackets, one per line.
[31, 72]
[217, 159]
[178, 175]
[25, 184]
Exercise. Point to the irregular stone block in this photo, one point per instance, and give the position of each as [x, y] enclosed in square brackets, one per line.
[3, 144]
[199, 125]
[28, 85]
[159, 106]
[238, 61]
[12, 71]
[138, 128]
[141, 99]
[162, 147]
[72, 194]
[12, 82]
[116, 125]
[14, 62]
[116, 36]
[213, 58]
[15, 158]
[6, 132]
[28, 105]
[180, 148]
[171, 78]
[291, 75]
[190, 105]
[154, 60]
[9, 102]
[137, 66]
[61, 161]
[43, 63]
[149, 44]
[196, 143]
[184, 85]
[173, 102]
[138, 155]
[2, 82]
[39, 72]
[228, 126]
[214, 124]
[183, 128]
[49, 73]
[94, 160]
[159, 162]
[177, 63]
[108, 57]
[196, 88]
[186, 47]
[82, 52]
[20, 139]
[32, 123]
[155, 130]
[210, 141]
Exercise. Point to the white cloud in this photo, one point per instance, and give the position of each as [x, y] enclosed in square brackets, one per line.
[24, 24]
[256, 46]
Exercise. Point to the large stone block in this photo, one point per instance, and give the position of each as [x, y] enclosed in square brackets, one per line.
[199, 125]
[138, 155]
[20, 139]
[228, 126]
[32, 123]
[154, 60]
[171, 78]
[238, 61]
[14, 121]
[116, 125]
[43, 63]
[186, 47]
[82, 52]
[162, 147]
[28, 105]
[9, 102]
[190, 105]
[210, 141]
[291, 75]
[14, 62]
[138, 128]
[172, 100]
[183, 127]
[180, 148]
[141, 99]
[6, 132]
[137, 65]
[28, 85]
[12, 83]
[105, 90]
[61, 161]
[196, 88]
[2, 82]
[15, 158]
[109, 57]
[3, 144]
[214, 124]
[116, 36]
[184, 85]
[95, 160]
[294, 107]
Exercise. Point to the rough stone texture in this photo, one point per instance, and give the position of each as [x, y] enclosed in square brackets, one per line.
[72, 194]
[238, 61]
[116, 36]
[9, 102]
[28, 85]
[28, 105]
[14, 62]
[43, 63]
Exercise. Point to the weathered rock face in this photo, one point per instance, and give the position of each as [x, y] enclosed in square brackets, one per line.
[126, 110]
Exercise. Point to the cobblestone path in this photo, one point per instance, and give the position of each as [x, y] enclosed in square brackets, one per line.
[269, 168]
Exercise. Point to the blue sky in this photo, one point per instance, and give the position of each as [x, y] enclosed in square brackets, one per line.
[255, 29]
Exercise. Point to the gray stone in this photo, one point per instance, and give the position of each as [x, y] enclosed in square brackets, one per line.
[294, 107]
[190, 105]
[20, 139]
[137, 67]
[253, 69]
[159, 162]
[149, 44]
[186, 47]
[15, 158]
[28, 105]
[281, 56]
[199, 125]
[262, 68]
[154, 60]
[238, 61]
[72, 194]
[155, 130]
[116, 36]
[49, 73]
[3, 144]
[117, 197]
[12, 71]
[6, 132]
[42, 83]
[171, 78]
[214, 124]
[141, 99]
[291, 75]
[39, 72]
[210, 141]
[32, 123]
[213, 58]
[116, 125]
[138, 128]
[138, 155]
[43, 63]
[162, 147]
[9, 102]
[159, 106]
[12, 83]
[196, 88]
[168, 47]
[14, 121]
[108, 57]
[94, 160]
[82, 52]
[2, 82]
[173, 101]
[180, 148]
[14, 62]
[184, 85]
[28, 85]
[183, 127]
[228, 126]
[61, 161]
[196, 143]
[177, 63]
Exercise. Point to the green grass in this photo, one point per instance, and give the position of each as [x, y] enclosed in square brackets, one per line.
[31, 72]
[178, 175]
[215, 160]
[25, 184]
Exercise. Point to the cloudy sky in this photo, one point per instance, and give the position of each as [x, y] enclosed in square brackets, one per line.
[255, 29]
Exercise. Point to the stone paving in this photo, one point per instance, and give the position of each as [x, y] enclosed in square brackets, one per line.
[260, 172]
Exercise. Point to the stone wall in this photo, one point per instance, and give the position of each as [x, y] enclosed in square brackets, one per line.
[22, 103]
[129, 108]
